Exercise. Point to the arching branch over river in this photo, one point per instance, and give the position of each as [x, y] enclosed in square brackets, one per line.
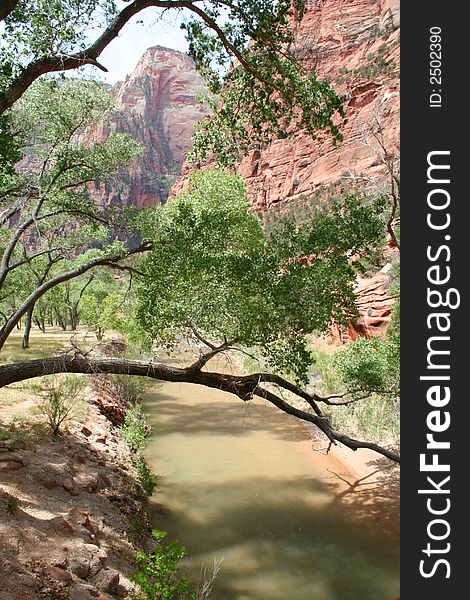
[243, 386]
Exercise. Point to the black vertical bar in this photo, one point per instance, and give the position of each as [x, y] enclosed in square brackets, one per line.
[434, 118]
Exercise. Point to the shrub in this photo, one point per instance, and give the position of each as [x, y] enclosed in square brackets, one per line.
[159, 574]
[135, 429]
[364, 367]
[61, 402]
[129, 389]
[147, 479]
[371, 365]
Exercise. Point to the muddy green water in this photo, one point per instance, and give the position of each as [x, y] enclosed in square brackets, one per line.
[240, 482]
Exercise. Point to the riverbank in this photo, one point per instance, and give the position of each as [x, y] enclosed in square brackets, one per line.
[72, 513]
[371, 485]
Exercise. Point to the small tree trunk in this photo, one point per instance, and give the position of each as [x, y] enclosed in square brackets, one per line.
[60, 320]
[73, 318]
[41, 324]
[27, 328]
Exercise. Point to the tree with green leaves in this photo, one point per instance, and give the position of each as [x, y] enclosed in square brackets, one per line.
[236, 281]
[48, 218]
[103, 312]
[245, 49]
[216, 276]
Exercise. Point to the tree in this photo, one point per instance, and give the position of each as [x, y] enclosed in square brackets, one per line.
[223, 274]
[274, 288]
[102, 313]
[245, 48]
[48, 217]
[217, 276]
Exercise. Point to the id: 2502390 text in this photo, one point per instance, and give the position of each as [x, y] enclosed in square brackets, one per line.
[435, 67]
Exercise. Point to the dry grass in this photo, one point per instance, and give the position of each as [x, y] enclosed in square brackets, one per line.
[42, 345]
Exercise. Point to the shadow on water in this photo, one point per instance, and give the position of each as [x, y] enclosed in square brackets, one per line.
[230, 416]
[303, 529]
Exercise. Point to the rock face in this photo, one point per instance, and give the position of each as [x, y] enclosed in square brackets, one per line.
[156, 105]
[353, 44]
[374, 303]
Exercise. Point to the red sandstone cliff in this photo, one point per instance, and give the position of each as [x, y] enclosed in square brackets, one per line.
[354, 44]
[156, 105]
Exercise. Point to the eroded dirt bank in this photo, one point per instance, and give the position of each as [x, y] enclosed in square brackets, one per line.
[71, 511]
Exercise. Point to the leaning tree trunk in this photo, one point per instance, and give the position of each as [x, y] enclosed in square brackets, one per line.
[243, 386]
[73, 312]
[41, 324]
[60, 320]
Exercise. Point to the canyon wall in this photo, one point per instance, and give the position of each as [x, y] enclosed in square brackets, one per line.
[157, 105]
[355, 45]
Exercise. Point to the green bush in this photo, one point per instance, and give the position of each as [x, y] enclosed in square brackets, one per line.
[135, 429]
[363, 368]
[158, 575]
[371, 365]
[147, 479]
[61, 402]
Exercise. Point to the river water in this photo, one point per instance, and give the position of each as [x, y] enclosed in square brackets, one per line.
[240, 482]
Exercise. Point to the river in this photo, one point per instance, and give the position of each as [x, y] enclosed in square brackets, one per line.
[241, 482]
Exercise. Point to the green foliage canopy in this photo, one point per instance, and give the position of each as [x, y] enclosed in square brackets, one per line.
[257, 85]
[215, 270]
[371, 365]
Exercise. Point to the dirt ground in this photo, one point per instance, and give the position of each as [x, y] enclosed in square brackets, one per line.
[71, 516]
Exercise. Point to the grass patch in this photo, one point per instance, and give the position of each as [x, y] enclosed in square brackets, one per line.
[376, 417]
[42, 345]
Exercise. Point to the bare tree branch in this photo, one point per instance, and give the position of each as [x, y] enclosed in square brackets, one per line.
[205, 358]
[199, 337]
